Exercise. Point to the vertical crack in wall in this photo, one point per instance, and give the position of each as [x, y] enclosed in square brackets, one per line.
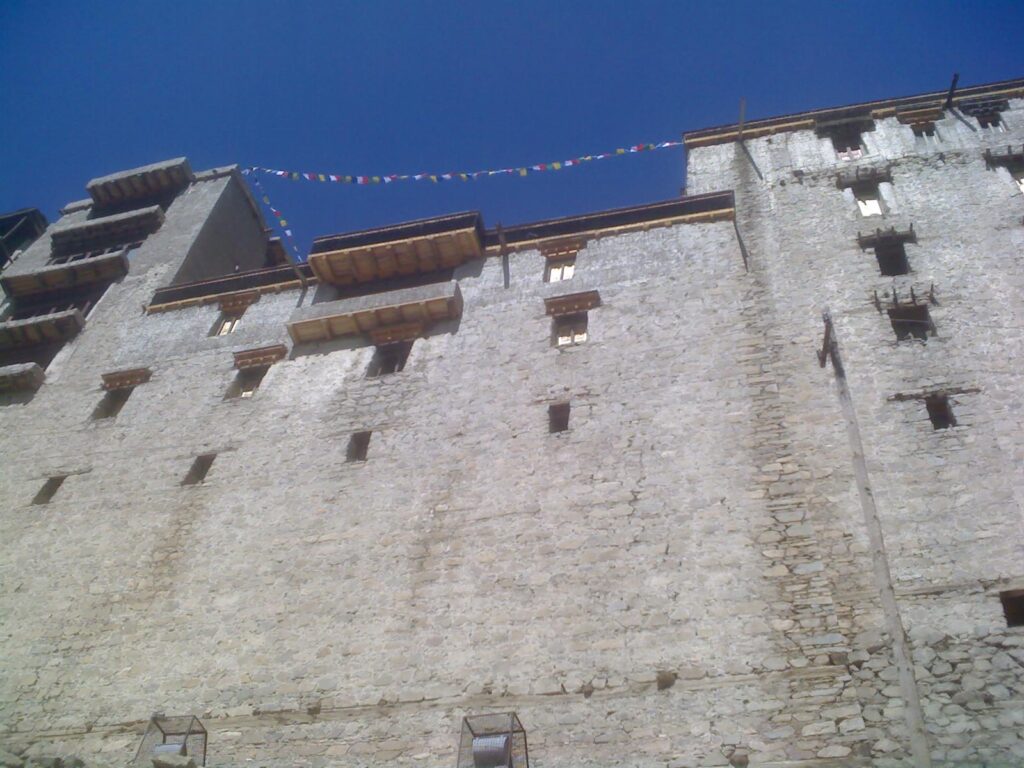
[883, 577]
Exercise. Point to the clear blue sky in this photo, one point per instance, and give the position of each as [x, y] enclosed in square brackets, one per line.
[387, 87]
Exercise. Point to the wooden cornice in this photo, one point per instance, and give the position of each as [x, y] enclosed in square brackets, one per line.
[562, 249]
[237, 302]
[573, 302]
[396, 333]
[131, 377]
[254, 358]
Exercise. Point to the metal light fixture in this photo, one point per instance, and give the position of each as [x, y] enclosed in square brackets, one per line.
[175, 735]
[493, 741]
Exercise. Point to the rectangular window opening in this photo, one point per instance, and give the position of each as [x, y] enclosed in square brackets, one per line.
[892, 258]
[911, 321]
[49, 489]
[247, 382]
[1018, 177]
[388, 359]
[940, 411]
[925, 134]
[112, 403]
[226, 323]
[560, 270]
[569, 329]
[990, 121]
[558, 417]
[869, 200]
[200, 467]
[1013, 607]
[847, 142]
[358, 445]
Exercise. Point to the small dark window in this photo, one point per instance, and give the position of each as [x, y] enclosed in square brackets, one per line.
[911, 321]
[200, 467]
[558, 417]
[567, 330]
[1013, 607]
[112, 403]
[892, 257]
[50, 487]
[358, 445]
[924, 130]
[940, 411]
[847, 142]
[226, 323]
[990, 120]
[869, 199]
[247, 382]
[390, 358]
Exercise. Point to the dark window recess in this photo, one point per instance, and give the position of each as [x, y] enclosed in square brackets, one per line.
[358, 445]
[567, 330]
[1013, 607]
[846, 139]
[247, 382]
[112, 403]
[558, 417]
[200, 467]
[911, 321]
[989, 119]
[50, 487]
[924, 130]
[390, 358]
[940, 411]
[892, 257]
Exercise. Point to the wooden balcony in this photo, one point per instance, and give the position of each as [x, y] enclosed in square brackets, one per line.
[385, 317]
[121, 228]
[405, 249]
[41, 329]
[142, 183]
[72, 273]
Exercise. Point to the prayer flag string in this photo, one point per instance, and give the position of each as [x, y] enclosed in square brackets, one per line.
[435, 178]
[265, 199]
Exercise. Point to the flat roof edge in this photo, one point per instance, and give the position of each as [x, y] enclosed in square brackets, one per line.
[704, 134]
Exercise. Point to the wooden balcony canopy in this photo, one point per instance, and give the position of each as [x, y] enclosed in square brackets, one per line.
[130, 377]
[42, 329]
[851, 177]
[20, 377]
[142, 183]
[415, 247]
[572, 303]
[107, 231]
[254, 358]
[917, 114]
[389, 316]
[92, 269]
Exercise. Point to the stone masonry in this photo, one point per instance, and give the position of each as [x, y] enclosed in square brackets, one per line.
[720, 562]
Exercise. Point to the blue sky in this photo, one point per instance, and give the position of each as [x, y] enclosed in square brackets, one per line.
[403, 87]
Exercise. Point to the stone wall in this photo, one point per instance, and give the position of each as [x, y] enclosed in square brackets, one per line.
[949, 501]
[688, 576]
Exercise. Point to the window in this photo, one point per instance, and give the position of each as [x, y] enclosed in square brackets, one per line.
[358, 445]
[1013, 607]
[558, 417]
[925, 134]
[200, 467]
[226, 323]
[50, 487]
[570, 329]
[990, 121]
[560, 270]
[939, 411]
[1018, 177]
[847, 142]
[247, 382]
[869, 201]
[892, 257]
[112, 403]
[911, 321]
[388, 359]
